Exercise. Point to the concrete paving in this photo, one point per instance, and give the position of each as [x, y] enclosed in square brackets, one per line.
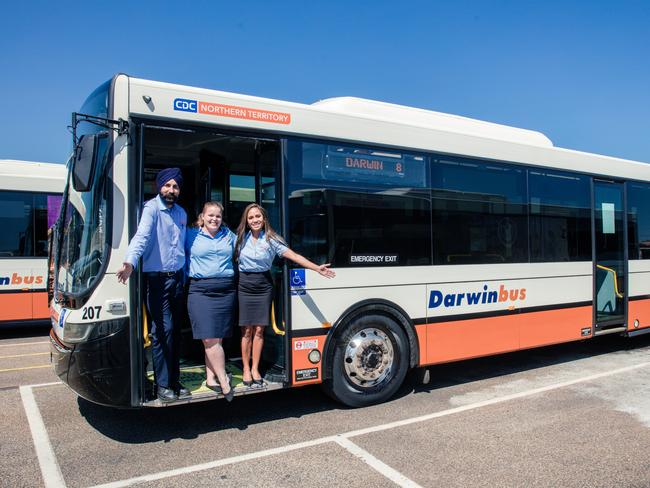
[569, 415]
[328, 465]
[18, 463]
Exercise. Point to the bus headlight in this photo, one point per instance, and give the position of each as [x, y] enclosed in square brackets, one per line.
[314, 356]
[90, 331]
[76, 332]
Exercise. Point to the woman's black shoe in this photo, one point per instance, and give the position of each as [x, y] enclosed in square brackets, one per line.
[217, 387]
[230, 395]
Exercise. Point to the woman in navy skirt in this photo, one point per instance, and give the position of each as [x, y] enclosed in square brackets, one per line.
[211, 299]
[257, 245]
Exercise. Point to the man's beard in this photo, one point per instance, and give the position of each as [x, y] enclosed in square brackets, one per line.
[169, 198]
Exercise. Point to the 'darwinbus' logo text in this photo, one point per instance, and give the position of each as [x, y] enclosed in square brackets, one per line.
[502, 295]
[16, 279]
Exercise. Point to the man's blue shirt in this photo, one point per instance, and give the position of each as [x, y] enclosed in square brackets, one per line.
[160, 238]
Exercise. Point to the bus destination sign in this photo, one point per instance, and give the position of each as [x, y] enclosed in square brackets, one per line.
[374, 167]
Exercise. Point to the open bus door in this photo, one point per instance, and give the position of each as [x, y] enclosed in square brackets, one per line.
[610, 258]
[236, 171]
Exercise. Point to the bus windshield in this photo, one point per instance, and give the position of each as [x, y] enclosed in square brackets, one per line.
[83, 226]
[83, 238]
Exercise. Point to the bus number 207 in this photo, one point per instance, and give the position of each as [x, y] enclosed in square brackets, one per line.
[91, 313]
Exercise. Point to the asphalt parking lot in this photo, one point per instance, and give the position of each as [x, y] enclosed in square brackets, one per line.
[569, 415]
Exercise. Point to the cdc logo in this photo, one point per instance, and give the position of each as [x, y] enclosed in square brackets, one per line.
[185, 105]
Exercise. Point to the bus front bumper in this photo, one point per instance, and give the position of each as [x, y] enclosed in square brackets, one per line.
[98, 369]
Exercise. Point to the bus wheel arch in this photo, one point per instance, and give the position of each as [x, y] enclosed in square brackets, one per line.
[368, 353]
[373, 306]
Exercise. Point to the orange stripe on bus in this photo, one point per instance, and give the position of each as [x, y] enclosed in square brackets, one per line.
[464, 339]
[638, 310]
[554, 326]
[421, 331]
[16, 306]
[40, 309]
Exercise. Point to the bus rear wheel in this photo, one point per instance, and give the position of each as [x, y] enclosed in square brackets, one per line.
[369, 361]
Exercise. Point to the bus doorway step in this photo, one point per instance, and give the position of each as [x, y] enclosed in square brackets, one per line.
[613, 330]
[205, 394]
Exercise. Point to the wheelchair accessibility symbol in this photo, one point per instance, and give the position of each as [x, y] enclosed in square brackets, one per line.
[297, 281]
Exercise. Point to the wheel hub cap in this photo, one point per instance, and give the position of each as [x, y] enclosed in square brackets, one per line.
[369, 357]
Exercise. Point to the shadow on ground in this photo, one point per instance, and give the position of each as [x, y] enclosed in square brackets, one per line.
[190, 421]
[517, 362]
[14, 330]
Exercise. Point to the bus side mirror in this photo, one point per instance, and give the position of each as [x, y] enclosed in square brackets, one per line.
[85, 158]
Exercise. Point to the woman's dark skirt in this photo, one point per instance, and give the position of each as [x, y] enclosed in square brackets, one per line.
[211, 306]
[255, 292]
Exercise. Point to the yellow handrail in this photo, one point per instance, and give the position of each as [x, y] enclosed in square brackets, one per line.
[610, 270]
[276, 329]
[145, 326]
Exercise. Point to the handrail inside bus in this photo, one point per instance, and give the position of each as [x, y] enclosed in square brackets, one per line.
[145, 326]
[610, 270]
[276, 329]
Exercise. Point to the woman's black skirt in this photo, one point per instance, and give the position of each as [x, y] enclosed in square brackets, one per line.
[211, 306]
[255, 292]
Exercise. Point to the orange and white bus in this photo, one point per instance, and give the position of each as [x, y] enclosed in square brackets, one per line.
[451, 238]
[30, 197]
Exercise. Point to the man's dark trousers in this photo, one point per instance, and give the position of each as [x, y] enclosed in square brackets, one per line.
[164, 301]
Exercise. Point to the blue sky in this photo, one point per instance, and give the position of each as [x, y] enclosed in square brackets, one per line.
[578, 71]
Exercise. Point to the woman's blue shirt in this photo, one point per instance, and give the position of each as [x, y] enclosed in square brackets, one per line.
[210, 257]
[256, 256]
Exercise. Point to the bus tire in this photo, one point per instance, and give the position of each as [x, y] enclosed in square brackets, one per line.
[369, 361]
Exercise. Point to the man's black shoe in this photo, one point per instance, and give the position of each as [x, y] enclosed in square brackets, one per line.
[166, 394]
[182, 392]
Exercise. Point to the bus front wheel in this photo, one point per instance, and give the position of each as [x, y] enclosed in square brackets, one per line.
[369, 361]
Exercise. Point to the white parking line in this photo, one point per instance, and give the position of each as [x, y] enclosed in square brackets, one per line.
[215, 464]
[393, 475]
[24, 344]
[53, 477]
[7, 370]
[41, 385]
[493, 401]
[24, 355]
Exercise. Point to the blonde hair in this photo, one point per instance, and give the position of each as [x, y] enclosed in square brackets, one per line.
[199, 220]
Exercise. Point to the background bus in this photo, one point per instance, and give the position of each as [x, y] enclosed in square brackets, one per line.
[30, 197]
[451, 238]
